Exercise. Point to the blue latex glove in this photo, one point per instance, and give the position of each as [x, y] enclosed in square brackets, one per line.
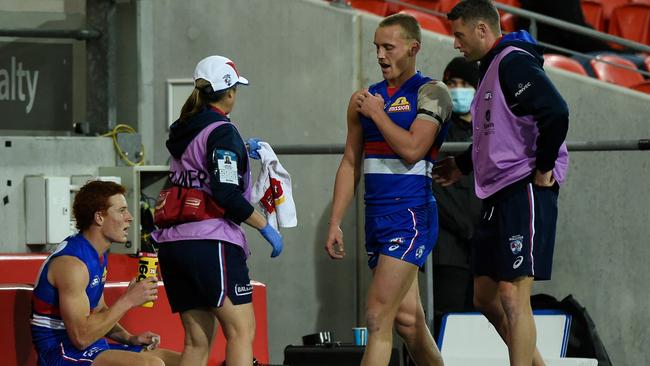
[253, 145]
[274, 238]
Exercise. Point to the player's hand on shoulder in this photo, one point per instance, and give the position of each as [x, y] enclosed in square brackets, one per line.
[368, 104]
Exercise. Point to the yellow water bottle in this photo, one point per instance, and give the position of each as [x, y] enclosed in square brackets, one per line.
[147, 267]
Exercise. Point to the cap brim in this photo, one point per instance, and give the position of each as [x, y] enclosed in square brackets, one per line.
[242, 80]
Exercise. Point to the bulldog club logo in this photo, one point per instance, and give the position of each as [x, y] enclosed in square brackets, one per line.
[516, 244]
[227, 79]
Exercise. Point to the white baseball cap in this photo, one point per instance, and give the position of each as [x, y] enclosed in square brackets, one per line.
[220, 71]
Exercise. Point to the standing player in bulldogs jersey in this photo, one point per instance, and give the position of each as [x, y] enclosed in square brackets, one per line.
[70, 321]
[395, 129]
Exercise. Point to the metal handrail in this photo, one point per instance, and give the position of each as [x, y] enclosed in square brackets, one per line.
[79, 34]
[573, 28]
[454, 147]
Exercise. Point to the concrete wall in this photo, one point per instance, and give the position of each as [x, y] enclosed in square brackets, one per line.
[50, 156]
[51, 14]
[602, 237]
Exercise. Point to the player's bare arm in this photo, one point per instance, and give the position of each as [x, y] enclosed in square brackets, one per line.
[70, 276]
[347, 179]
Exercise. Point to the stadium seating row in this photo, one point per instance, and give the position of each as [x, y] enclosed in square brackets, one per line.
[625, 15]
[605, 68]
[628, 19]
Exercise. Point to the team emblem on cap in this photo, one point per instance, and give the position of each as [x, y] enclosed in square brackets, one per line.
[227, 79]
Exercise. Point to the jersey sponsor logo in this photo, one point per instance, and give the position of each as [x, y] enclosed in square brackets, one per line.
[522, 88]
[95, 281]
[398, 240]
[401, 104]
[242, 290]
[419, 251]
[393, 247]
[518, 262]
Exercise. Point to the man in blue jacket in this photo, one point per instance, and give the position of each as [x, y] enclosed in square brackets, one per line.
[519, 159]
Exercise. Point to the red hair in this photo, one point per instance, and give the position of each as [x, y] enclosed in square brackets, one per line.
[91, 198]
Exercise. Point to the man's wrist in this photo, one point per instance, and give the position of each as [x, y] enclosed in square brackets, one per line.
[376, 115]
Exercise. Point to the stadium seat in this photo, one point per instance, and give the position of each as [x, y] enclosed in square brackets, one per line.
[613, 74]
[23, 267]
[593, 13]
[377, 7]
[609, 5]
[508, 22]
[515, 3]
[447, 5]
[20, 267]
[565, 63]
[15, 308]
[631, 21]
[433, 5]
[428, 21]
[644, 87]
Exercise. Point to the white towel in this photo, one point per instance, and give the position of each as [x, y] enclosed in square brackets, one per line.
[272, 190]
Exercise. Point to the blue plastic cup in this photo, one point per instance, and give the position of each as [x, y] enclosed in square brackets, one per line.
[360, 336]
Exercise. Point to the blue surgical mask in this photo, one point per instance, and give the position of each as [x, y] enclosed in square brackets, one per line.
[461, 99]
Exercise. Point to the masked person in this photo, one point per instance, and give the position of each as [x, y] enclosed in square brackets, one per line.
[458, 206]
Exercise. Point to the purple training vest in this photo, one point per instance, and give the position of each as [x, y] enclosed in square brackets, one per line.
[504, 145]
[194, 161]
